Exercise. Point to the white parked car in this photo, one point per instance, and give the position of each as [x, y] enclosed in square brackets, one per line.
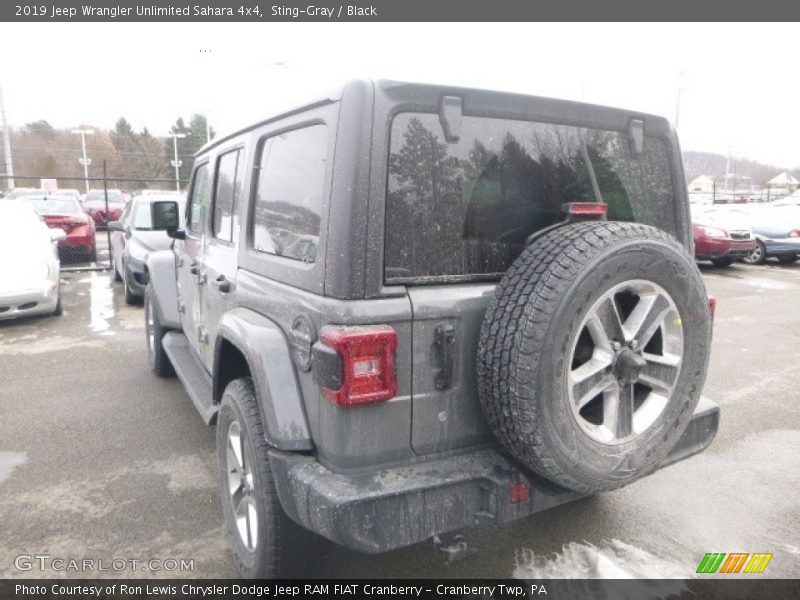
[29, 266]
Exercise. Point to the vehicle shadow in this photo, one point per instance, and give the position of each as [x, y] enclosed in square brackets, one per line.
[492, 552]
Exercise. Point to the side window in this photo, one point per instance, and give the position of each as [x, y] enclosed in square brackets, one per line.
[228, 192]
[289, 193]
[201, 196]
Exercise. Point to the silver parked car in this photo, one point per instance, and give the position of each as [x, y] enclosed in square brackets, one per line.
[29, 266]
[777, 231]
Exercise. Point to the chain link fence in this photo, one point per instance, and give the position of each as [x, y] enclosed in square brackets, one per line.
[82, 207]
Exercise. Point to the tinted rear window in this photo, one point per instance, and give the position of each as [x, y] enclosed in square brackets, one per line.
[466, 208]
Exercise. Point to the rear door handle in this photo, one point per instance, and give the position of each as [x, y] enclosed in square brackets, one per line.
[222, 284]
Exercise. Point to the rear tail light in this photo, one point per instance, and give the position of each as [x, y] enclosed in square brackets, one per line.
[356, 365]
[794, 233]
[586, 209]
[712, 307]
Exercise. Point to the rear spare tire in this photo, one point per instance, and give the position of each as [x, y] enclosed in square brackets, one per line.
[593, 353]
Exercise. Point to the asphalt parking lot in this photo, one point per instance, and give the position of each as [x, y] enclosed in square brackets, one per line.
[101, 460]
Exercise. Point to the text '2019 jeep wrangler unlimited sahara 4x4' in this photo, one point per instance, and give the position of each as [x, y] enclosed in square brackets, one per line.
[410, 309]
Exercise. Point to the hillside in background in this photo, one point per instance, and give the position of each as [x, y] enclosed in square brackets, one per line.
[713, 165]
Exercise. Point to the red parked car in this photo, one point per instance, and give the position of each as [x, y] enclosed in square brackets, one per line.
[66, 213]
[95, 205]
[720, 246]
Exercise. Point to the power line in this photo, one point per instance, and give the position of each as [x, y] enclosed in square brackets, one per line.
[77, 151]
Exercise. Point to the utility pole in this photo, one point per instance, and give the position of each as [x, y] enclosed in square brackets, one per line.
[177, 163]
[6, 143]
[84, 161]
[678, 100]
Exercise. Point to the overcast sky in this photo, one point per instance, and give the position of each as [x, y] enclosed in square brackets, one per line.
[740, 82]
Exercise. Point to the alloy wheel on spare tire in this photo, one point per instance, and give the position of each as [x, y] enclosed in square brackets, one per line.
[593, 353]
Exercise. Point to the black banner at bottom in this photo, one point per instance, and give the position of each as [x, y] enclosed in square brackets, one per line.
[734, 588]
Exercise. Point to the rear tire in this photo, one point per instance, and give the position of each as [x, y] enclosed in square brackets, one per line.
[593, 353]
[154, 335]
[266, 543]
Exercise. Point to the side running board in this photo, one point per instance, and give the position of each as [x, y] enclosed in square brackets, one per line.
[195, 379]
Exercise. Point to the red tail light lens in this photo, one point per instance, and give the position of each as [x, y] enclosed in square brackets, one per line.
[365, 370]
[519, 492]
[586, 209]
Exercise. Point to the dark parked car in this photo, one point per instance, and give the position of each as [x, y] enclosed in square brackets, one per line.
[65, 213]
[95, 205]
[502, 314]
[132, 240]
[777, 231]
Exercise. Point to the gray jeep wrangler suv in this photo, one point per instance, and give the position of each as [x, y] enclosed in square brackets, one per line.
[410, 309]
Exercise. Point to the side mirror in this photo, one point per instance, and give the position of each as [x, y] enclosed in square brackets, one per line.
[165, 215]
[56, 235]
[115, 226]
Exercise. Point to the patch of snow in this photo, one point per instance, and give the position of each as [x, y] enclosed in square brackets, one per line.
[10, 461]
[101, 303]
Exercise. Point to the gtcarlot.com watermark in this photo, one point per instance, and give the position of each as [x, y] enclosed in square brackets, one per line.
[62, 564]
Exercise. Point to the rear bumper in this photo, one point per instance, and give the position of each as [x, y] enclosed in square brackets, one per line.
[379, 511]
[82, 241]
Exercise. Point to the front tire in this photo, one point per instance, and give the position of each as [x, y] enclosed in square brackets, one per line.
[723, 262]
[59, 309]
[266, 543]
[130, 297]
[758, 256]
[117, 276]
[154, 335]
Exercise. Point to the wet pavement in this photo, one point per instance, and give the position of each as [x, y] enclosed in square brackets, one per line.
[99, 459]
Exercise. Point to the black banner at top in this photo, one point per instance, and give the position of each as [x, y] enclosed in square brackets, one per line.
[256, 11]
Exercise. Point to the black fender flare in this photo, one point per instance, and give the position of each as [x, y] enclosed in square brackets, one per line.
[163, 283]
[266, 350]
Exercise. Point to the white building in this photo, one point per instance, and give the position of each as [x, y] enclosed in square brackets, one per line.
[703, 184]
[784, 180]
